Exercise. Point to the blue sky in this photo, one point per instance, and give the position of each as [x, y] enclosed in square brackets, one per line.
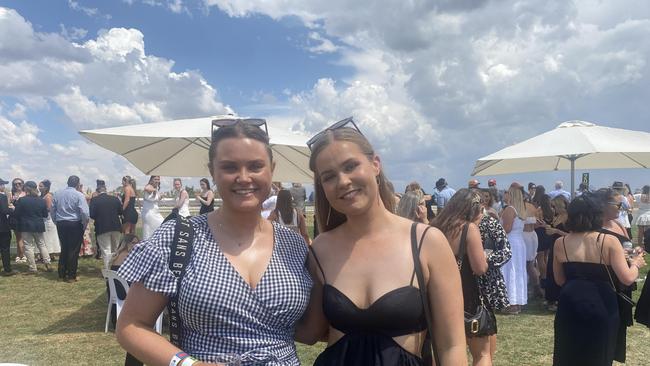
[435, 85]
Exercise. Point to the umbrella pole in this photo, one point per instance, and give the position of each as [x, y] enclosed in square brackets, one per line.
[573, 177]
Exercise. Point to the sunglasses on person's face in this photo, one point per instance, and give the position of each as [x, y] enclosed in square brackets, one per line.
[18, 184]
[617, 204]
[257, 122]
[340, 124]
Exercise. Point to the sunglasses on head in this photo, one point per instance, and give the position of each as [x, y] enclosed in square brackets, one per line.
[340, 124]
[617, 204]
[257, 122]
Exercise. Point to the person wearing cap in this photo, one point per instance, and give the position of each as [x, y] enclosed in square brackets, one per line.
[497, 194]
[106, 211]
[559, 191]
[473, 183]
[442, 194]
[30, 213]
[70, 213]
[5, 231]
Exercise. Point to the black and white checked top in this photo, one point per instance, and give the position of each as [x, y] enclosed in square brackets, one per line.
[220, 312]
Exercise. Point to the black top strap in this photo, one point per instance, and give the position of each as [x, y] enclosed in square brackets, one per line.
[602, 244]
[313, 253]
[419, 250]
[462, 247]
[565, 252]
[423, 292]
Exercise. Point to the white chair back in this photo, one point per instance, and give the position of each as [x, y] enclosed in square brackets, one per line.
[112, 276]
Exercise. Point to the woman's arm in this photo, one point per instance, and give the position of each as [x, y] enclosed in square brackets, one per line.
[149, 188]
[508, 218]
[184, 196]
[48, 202]
[627, 274]
[313, 325]
[445, 296]
[475, 253]
[135, 324]
[302, 225]
[558, 268]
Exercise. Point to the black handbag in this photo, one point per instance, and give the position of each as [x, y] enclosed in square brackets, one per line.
[482, 322]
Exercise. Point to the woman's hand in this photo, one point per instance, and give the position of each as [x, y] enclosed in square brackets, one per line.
[638, 261]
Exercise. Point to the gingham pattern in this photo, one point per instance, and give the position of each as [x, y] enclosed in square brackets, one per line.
[220, 312]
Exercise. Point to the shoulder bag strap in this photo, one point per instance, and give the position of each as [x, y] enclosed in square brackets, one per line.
[462, 246]
[423, 292]
[178, 258]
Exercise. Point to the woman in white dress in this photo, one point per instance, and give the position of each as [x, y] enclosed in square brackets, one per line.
[182, 198]
[642, 219]
[514, 271]
[51, 235]
[151, 217]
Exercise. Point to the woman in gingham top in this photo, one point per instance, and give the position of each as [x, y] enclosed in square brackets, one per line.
[245, 286]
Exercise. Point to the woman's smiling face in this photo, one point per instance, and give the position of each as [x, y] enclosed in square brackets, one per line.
[242, 171]
[348, 177]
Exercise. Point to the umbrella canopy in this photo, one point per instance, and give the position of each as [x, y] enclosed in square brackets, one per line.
[180, 148]
[571, 145]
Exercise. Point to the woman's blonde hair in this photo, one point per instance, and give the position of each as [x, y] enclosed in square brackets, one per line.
[517, 201]
[327, 218]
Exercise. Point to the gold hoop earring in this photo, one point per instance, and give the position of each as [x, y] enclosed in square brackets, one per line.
[329, 213]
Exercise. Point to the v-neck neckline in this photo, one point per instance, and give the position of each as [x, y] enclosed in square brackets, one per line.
[232, 267]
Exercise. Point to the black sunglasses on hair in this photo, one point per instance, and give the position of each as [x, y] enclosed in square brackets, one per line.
[257, 122]
[340, 124]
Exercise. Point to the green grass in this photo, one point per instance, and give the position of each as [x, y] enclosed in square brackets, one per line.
[47, 322]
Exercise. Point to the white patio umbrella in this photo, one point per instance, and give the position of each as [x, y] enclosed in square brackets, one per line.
[180, 148]
[571, 145]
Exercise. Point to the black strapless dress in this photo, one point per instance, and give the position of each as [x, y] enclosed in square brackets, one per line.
[368, 333]
[587, 319]
[130, 214]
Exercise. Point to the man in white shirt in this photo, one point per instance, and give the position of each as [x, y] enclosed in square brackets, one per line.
[559, 191]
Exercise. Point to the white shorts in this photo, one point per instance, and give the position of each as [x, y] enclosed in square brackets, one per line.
[531, 240]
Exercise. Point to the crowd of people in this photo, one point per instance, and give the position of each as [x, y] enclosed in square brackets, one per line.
[254, 281]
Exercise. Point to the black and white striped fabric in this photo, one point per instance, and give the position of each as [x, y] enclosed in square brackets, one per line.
[220, 312]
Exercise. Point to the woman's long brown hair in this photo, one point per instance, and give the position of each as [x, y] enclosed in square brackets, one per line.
[327, 218]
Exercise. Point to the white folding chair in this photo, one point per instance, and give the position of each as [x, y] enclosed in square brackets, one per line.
[111, 277]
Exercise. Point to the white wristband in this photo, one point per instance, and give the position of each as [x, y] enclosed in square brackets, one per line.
[188, 361]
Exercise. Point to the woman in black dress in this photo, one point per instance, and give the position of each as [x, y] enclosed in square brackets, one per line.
[365, 298]
[205, 197]
[130, 215]
[588, 264]
[555, 230]
[458, 221]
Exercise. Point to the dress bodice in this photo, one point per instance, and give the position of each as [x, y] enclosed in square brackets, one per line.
[150, 200]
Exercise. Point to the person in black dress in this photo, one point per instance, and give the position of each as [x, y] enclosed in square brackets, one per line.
[555, 230]
[205, 197]
[587, 265]
[130, 215]
[365, 299]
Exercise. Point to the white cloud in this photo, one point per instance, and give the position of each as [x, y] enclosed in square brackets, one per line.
[104, 81]
[18, 112]
[323, 45]
[73, 33]
[19, 135]
[484, 73]
[91, 12]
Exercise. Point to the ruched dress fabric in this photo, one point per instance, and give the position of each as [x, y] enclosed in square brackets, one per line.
[368, 333]
[587, 319]
[130, 214]
[514, 271]
[220, 312]
[151, 217]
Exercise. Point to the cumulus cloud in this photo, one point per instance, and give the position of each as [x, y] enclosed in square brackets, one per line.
[103, 81]
[19, 135]
[484, 73]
